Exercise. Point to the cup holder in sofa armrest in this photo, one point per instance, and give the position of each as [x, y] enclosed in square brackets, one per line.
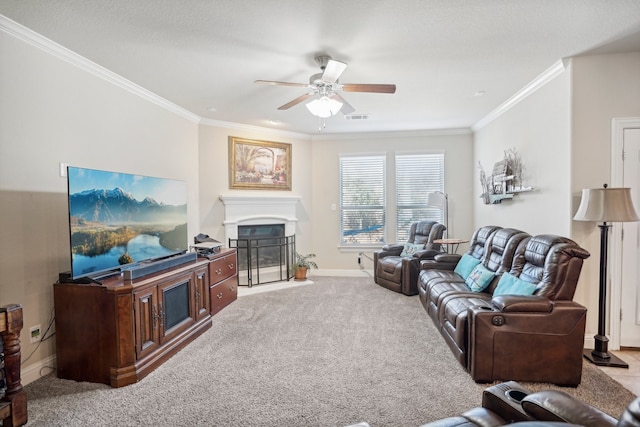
[516, 395]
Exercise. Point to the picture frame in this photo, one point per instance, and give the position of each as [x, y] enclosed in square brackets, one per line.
[259, 165]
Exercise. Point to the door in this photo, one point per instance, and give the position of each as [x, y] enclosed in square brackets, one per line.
[202, 301]
[630, 286]
[146, 321]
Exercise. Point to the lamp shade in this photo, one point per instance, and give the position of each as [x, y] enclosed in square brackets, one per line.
[324, 107]
[436, 199]
[607, 205]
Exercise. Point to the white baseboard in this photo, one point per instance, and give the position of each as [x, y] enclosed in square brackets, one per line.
[38, 370]
[341, 273]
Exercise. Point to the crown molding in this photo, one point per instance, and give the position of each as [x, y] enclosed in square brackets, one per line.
[544, 78]
[26, 35]
[389, 134]
[253, 128]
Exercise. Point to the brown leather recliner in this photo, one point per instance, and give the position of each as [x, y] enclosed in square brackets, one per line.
[509, 403]
[399, 273]
[535, 337]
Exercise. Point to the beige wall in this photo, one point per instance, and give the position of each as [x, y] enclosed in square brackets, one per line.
[52, 112]
[538, 128]
[604, 87]
[315, 173]
[563, 133]
[214, 176]
[458, 150]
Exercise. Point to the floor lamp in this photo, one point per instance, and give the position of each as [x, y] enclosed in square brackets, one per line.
[606, 205]
[438, 199]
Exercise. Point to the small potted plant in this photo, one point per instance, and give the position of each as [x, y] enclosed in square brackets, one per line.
[302, 263]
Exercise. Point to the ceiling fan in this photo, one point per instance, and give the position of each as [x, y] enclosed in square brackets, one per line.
[325, 87]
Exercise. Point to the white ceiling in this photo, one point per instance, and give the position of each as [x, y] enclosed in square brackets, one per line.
[202, 54]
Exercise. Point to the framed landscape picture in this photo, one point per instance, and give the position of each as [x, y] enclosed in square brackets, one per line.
[259, 165]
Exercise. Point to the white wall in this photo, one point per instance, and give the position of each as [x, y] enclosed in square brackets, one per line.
[52, 112]
[326, 149]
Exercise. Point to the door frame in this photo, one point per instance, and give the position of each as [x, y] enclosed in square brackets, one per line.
[618, 126]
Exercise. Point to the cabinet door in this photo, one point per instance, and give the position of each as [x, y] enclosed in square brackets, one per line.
[175, 306]
[202, 302]
[146, 321]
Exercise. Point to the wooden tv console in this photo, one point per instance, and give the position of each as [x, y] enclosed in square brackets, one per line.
[117, 331]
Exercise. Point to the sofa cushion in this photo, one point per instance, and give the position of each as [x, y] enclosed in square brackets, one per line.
[479, 278]
[511, 285]
[411, 248]
[466, 264]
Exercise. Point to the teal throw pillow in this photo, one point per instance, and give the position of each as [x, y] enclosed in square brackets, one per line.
[466, 264]
[479, 278]
[411, 248]
[511, 285]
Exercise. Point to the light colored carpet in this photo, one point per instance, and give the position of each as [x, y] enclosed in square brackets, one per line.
[334, 353]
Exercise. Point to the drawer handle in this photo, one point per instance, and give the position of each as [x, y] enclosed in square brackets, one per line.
[232, 288]
[231, 266]
[219, 295]
[219, 271]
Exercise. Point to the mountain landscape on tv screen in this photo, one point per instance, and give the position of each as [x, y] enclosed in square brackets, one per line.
[103, 219]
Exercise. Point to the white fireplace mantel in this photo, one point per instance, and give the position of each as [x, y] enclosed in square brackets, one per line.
[255, 210]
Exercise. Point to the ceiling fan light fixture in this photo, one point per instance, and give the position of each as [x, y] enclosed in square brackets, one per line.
[324, 107]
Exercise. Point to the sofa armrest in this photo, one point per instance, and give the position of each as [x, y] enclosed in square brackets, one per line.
[536, 346]
[441, 261]
[448, 258]
[553, 405]
[522, 303]
[394, 249]
[426, 254]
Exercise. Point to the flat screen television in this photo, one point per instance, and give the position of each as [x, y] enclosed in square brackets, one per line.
[118, 220]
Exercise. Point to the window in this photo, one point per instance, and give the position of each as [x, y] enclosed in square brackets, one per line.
[417, 175]
[364, 191]
[362, 199]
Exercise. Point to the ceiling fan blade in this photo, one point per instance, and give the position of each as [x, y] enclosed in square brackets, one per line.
[271, 82]
[346, 107]
[333, 70]
[375, 88]
[296, 101]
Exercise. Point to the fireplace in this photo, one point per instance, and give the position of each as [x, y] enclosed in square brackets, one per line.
[262, 244]
[262, 229]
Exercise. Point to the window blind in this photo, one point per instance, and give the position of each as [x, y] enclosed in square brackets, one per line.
[417, 175]
[362, 199]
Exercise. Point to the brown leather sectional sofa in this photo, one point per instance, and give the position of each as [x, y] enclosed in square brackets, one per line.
[510, 403]
[496, 333]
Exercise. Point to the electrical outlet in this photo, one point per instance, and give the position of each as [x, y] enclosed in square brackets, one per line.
[34, 333]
